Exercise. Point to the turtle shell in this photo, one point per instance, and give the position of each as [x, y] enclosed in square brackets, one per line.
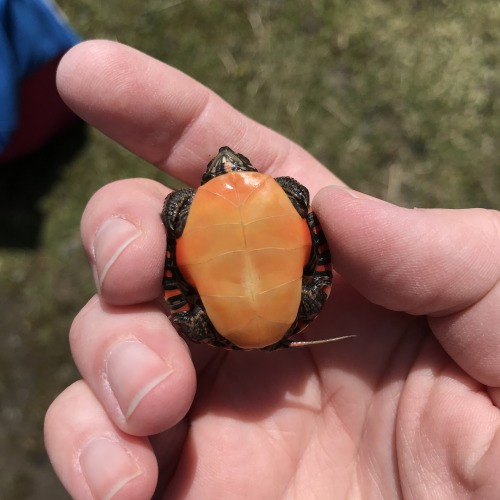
[244, 248]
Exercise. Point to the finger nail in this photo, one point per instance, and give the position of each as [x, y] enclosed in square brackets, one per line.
[107, 467]
[112, 238]
[133, 371]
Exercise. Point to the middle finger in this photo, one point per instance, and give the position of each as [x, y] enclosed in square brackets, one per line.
[135, 363]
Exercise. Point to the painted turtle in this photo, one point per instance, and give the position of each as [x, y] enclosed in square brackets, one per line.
[247, 265]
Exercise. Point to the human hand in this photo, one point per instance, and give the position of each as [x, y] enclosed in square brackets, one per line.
[407, 408]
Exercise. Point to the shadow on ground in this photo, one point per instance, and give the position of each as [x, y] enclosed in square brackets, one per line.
[25, 181]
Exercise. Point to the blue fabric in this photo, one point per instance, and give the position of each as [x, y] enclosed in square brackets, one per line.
[32, 32]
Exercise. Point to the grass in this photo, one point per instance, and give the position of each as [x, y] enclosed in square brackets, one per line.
[399, 99]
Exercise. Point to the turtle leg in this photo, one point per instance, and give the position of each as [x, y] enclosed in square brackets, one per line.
[175, 211]
[297, 194]
[174, 214]
[195, 325]
[192, 320]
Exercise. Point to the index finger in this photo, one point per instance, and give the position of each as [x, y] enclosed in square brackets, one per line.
[169, 119]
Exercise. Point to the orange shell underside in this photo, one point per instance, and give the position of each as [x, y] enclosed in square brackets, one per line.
[244, 248]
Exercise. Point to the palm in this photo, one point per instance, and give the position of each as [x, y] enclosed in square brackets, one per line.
[312, 421]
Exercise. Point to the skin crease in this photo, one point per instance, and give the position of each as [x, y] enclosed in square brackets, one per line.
[408, 408]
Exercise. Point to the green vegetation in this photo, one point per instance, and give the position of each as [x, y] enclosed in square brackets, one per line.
[399, 99]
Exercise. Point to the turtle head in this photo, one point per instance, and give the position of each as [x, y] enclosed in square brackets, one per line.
[226, 161]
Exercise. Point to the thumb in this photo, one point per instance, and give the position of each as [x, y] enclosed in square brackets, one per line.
[441, 263]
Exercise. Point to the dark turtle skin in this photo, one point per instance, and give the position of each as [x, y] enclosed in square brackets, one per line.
[183, 300]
